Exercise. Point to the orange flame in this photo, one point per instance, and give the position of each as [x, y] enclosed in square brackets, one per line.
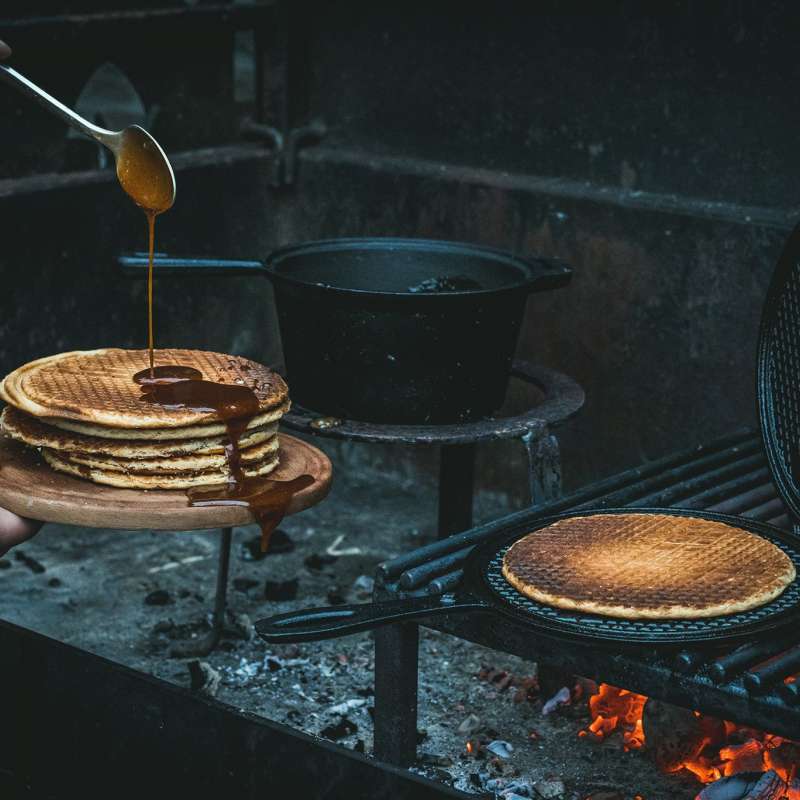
[612, 709]
[726, 749]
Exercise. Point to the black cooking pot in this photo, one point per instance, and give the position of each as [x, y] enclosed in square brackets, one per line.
[404, 331]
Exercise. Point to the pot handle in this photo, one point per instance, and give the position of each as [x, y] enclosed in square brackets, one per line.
[548, 273]
[134, 265]
[329, 622]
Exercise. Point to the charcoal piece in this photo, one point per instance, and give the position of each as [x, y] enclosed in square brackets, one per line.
[273, 665]
[317, 562]
[54, 582]
[281, 590]
[31, 563]
[158, 597]
[203, 678]
[435, 760]
[164, 626]
[244, 584]
[5, 563]
[335, 596]
[367, 691]
[422, 735]
[359, 746]
[344, 727]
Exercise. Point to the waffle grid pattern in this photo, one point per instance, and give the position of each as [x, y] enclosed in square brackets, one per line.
[783, 371]
[646, 561]
[655, 630]
[62, 384]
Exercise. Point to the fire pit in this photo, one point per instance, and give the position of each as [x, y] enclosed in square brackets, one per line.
[750, 680]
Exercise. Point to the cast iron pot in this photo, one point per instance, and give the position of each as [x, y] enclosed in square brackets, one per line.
[359, 343]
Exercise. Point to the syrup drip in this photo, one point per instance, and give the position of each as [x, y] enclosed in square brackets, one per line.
[151, 230]
[267, 499]
[147, 179]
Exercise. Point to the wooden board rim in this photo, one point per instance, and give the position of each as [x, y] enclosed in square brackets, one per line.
[30, 488]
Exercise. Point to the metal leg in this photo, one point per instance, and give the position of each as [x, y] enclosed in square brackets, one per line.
[544, 467]
[209, 642]
[456, 485]
[396, 665]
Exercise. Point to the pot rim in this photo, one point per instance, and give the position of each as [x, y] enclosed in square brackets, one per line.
[532, 269]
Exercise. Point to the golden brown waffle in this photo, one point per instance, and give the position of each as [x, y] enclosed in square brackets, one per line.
[647, 566]
[130, 480]
[193, 462]
[95, 387]
[164, 434]
[36, 433]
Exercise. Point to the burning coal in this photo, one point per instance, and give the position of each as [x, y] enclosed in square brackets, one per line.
[678, 739]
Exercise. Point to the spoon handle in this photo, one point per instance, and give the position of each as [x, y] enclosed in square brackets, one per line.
[20, 82]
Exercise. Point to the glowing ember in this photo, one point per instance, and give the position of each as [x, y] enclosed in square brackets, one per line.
[616, 709]
[713, 749]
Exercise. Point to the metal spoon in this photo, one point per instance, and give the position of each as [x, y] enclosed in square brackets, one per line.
[142, 167]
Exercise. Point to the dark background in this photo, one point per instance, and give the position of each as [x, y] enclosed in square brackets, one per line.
[652, 146]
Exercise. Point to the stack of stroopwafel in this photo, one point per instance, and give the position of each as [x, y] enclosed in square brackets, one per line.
[86, 414]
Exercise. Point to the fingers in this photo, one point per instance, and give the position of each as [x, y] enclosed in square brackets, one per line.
[5, 50]
[14, 530]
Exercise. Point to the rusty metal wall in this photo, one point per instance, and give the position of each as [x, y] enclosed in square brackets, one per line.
[660, 321]
[513, 131]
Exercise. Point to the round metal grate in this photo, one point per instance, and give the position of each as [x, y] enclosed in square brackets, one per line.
[779, 374]
[653, 631]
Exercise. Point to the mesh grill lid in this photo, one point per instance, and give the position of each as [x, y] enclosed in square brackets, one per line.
[778, 374]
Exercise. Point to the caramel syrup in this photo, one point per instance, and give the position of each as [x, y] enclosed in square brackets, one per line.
[144, 174]
[236, 405]
[168, 373]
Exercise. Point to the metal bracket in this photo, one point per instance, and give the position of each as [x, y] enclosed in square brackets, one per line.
[544, 467]
[284, 147]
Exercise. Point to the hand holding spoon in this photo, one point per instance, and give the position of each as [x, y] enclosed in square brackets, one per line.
[143, 170]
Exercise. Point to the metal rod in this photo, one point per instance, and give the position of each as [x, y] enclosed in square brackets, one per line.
[765, 510]
[446, 583]
[412, 578]
[396, 666]
[762, 677]
[749, 499]
[456, 483]
[210, 641]
[691, 491]
[725, 667]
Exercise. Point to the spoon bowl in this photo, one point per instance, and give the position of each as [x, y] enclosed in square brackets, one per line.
[143, 169]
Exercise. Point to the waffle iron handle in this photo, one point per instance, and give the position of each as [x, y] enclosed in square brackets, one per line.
[329, 622]
[134, 265]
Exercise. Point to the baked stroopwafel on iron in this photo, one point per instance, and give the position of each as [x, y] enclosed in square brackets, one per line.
[647, 566]
[86, 414]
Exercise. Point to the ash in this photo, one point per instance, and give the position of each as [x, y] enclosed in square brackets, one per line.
[131, 596]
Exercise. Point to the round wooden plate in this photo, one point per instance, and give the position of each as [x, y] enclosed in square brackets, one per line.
[29, 487]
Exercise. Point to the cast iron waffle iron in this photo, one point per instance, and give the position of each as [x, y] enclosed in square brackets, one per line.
[484, 589]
